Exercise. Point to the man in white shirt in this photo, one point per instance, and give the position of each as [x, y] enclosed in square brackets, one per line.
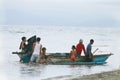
[36, 51]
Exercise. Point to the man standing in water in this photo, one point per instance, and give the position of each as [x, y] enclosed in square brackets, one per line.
[79, 47]
[22, 47]
[36, 51]
[89, 55]
[23, 44]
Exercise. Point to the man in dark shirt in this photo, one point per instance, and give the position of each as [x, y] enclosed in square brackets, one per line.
[89, 55]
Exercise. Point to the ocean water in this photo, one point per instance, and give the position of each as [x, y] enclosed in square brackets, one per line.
[56, 39]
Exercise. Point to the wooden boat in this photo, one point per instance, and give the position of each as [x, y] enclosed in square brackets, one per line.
[60, 58]
[63, 59]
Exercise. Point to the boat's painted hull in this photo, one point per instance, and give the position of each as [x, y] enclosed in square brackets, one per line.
[96, 58]
[76, 63]
[63, 59]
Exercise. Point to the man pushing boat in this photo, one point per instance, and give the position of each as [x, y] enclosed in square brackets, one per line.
[89, 55]
[37, 47]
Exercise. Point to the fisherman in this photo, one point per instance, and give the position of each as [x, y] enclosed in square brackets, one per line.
[80, 47]
[89, 55]
[23, 44]
[43, 57]
[36, 51]
[22, 47]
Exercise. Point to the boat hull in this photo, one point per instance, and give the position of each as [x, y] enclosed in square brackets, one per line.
[76, 63]
[63, 59]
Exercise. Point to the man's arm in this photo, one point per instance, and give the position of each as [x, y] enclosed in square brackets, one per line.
[77, 48]
[40, 49]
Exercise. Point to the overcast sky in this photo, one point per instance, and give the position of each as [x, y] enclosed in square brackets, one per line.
[60, 12]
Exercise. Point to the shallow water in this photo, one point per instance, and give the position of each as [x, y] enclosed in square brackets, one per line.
[56, 39]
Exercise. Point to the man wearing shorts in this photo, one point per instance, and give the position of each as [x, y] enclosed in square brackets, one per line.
[36, 51]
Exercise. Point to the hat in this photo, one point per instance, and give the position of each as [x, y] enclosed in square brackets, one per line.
[80, 40]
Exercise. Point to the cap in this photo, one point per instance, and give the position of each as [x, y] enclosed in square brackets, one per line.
[80, 40]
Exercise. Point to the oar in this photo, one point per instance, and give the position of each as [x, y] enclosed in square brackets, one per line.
[95, 50]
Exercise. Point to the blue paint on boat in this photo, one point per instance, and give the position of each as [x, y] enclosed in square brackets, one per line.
[97, 59]
[76, 63]
[101, 58]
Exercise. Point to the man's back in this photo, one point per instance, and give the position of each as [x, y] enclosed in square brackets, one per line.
[79, 48]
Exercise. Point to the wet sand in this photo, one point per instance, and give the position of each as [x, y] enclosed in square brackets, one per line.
[111, 75]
